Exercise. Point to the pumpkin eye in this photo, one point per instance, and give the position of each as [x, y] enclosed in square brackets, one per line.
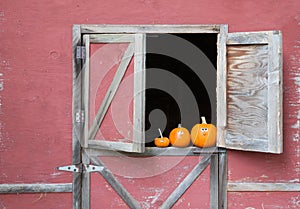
[202, 129]
[180, 133]
[206, 129]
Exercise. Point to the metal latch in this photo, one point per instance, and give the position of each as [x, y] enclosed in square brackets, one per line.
[80, 52]
[79, 117]
[81, 168]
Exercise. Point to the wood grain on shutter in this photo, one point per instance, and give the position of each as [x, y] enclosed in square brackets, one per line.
[247, 91]
[253, 93]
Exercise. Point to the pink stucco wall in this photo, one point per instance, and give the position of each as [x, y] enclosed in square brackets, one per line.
[36, 90]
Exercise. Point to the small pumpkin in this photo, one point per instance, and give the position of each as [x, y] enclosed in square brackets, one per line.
[161, 141]
[180, 137]
[204, 135]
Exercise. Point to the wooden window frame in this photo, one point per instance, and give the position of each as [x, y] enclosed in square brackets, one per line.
[135, 50]
[81, 107]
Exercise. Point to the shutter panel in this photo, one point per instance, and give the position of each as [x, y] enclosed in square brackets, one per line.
[132, 139]
[249, 91]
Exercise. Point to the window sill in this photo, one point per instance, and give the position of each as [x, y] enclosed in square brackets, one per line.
[157, 151]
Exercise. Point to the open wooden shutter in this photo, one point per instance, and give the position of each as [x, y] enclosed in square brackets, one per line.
[133, 55]
[249, 91]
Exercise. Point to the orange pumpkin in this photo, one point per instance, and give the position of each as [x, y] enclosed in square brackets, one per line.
[161, 141]
[180, 137]
[204, 135]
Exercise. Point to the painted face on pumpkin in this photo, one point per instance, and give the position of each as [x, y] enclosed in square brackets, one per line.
[180, 133]
[203, 135]
[204, 131]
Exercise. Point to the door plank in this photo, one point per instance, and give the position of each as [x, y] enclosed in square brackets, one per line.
[77, 131]
[223, 172]
[263, 187]
[214, 182]
[34, 188]
[86, 88]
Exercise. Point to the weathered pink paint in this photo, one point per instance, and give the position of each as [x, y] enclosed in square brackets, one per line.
[36, 90]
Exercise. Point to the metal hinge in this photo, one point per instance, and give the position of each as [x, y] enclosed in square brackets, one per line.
[80, 168]
[79, 116]
[80, 52]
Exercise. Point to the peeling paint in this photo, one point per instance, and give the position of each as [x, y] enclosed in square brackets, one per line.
[264, 176]
[295, 201]
[294, 180]
[297, 124]
[295, 101]
[6, 143]
[4, 67]
[117, 203]
[271, 206]
[1, 89]
[146, 205]
[2, 18]
[296, 136]
[108, 187]
[297, 151]
[155, 197]
[297, 167]
[55, 174]
[41, 196]
[2, 205]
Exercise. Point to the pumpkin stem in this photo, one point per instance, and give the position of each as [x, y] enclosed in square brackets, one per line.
[203, 120]
[179, 125]
[161, 136]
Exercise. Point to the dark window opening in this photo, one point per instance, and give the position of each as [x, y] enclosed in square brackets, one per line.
[180, 81]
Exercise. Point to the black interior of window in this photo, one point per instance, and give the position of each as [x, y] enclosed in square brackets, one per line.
[179, 69]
